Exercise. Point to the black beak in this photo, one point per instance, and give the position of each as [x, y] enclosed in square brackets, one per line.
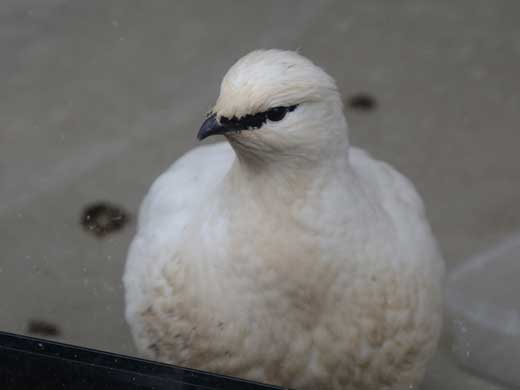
[211, 127]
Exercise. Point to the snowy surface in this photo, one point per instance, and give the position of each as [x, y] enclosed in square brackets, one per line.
[98, 97]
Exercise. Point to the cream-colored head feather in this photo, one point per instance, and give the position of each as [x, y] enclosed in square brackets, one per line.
[268, 78]
[265, 79]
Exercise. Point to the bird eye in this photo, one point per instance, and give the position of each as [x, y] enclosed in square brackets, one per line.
[276, 114]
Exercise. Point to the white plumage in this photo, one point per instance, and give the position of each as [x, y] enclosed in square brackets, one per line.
[285, 256]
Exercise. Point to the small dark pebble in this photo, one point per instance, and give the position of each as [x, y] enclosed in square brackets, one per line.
[102, 218]
[362, 102]
[42, 328]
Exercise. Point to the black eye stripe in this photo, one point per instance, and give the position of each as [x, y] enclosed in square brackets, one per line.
[255, 121]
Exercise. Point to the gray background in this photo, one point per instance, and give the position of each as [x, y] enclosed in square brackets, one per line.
[98, 97]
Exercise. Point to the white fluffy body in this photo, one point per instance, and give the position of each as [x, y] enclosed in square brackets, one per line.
[285, 255]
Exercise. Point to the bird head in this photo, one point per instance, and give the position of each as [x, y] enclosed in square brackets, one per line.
[276, 103]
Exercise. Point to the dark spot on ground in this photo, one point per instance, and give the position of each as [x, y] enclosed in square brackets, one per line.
[43, 328]
[102, 218]
[361, 102]
[153, 347]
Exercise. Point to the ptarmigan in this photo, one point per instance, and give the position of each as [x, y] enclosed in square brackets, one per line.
[284, 255]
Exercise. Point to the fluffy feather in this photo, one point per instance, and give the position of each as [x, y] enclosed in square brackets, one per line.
[286, 256]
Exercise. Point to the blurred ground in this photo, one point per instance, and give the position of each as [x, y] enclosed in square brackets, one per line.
[98, 97]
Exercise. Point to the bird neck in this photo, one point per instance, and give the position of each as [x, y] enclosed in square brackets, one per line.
[284, 180]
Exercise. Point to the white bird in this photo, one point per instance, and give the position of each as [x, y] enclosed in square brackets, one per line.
[284, 255]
